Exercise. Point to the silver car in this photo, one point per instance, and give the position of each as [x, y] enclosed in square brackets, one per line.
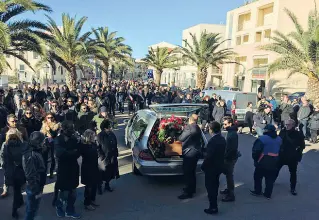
[137, 136]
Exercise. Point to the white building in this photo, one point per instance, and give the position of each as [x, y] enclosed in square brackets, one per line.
[188, 74]
[25, 74]
[251, 26]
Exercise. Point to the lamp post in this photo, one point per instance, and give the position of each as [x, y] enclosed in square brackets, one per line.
[46, 70]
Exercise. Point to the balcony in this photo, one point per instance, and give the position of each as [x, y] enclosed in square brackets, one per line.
[259, 73]
[265, 15]
[244, 22]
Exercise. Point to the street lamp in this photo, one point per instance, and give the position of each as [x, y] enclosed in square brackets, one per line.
[46, 70]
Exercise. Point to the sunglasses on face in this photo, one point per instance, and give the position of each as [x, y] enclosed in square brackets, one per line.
[28, 113]
[54, 105]
[49, 118]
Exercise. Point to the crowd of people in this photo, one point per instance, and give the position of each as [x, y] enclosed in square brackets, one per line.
[48, 130]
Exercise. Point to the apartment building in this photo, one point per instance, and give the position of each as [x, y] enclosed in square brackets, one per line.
[188, 73]
[251, 26]
[23, 73]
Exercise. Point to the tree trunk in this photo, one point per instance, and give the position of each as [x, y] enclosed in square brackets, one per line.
[71, 78]
[313, 89]
[158, 77]
[201, 78]
[105, 74]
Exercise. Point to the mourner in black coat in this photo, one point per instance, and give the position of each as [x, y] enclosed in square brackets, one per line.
[67, 152]
[11, 157]
[191, 138]
[107, 155]
[89, 168]
[213, 165]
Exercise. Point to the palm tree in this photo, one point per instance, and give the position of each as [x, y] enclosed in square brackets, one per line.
[69, 47]
[299, 51]
[20, 35]
[110, 48]
[205, 52]
[161, 58]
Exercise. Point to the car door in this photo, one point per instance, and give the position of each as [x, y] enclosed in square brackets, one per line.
[129, 128]
[137, 130]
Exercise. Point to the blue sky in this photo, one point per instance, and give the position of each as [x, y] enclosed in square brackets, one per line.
[144, 22]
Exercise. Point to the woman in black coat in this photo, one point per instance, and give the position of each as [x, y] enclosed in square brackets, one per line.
[29, 122]
[11, 157]
[89, 169]
[107, 153]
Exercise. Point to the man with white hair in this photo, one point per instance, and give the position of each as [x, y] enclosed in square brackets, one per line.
[291, 151]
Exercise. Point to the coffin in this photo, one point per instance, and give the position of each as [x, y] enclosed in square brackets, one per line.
[174, 149]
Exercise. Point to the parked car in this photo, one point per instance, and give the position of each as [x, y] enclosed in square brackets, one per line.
[296, 95]
[236, 102]
[138, 137]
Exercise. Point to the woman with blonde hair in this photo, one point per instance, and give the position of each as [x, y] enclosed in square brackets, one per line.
[11, 157]
[50, 128]
[89, 168]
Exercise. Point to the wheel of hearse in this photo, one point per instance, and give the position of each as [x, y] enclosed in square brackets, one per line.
[136, 172]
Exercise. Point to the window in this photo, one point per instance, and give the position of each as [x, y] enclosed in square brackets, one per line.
[138, 127]
[21, 68]
[238, 40]
[267, 34]
[35, 55]
[258, 36]
[61, 70]
[246, 38]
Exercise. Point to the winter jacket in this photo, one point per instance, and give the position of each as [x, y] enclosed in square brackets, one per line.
[273, 104]
[177, 99]
[67, 154]
[30, 124]
[219, 113]
[107, 155]
[285, 110]
[83, 121]
[35, 170]
[157, 99]
[293, 144]
[261, 119]
[11, 160]
[231, 152]
[121, 96]
[249, 116]
[314, 121]
[304, 113]
[3, 116]
[191, 138]
[215, 151]
[89, 167]
[265, 152]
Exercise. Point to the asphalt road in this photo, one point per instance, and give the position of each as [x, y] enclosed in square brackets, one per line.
[144, 198]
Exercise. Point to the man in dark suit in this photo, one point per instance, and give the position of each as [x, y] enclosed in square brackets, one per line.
[191, 138]
[213, 165]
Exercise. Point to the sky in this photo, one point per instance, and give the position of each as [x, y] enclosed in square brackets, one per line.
[143, 22]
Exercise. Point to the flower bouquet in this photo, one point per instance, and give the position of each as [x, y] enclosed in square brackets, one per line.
[164, 137]
[170, 129]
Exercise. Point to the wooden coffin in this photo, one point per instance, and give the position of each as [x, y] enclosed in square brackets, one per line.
[174, 149]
